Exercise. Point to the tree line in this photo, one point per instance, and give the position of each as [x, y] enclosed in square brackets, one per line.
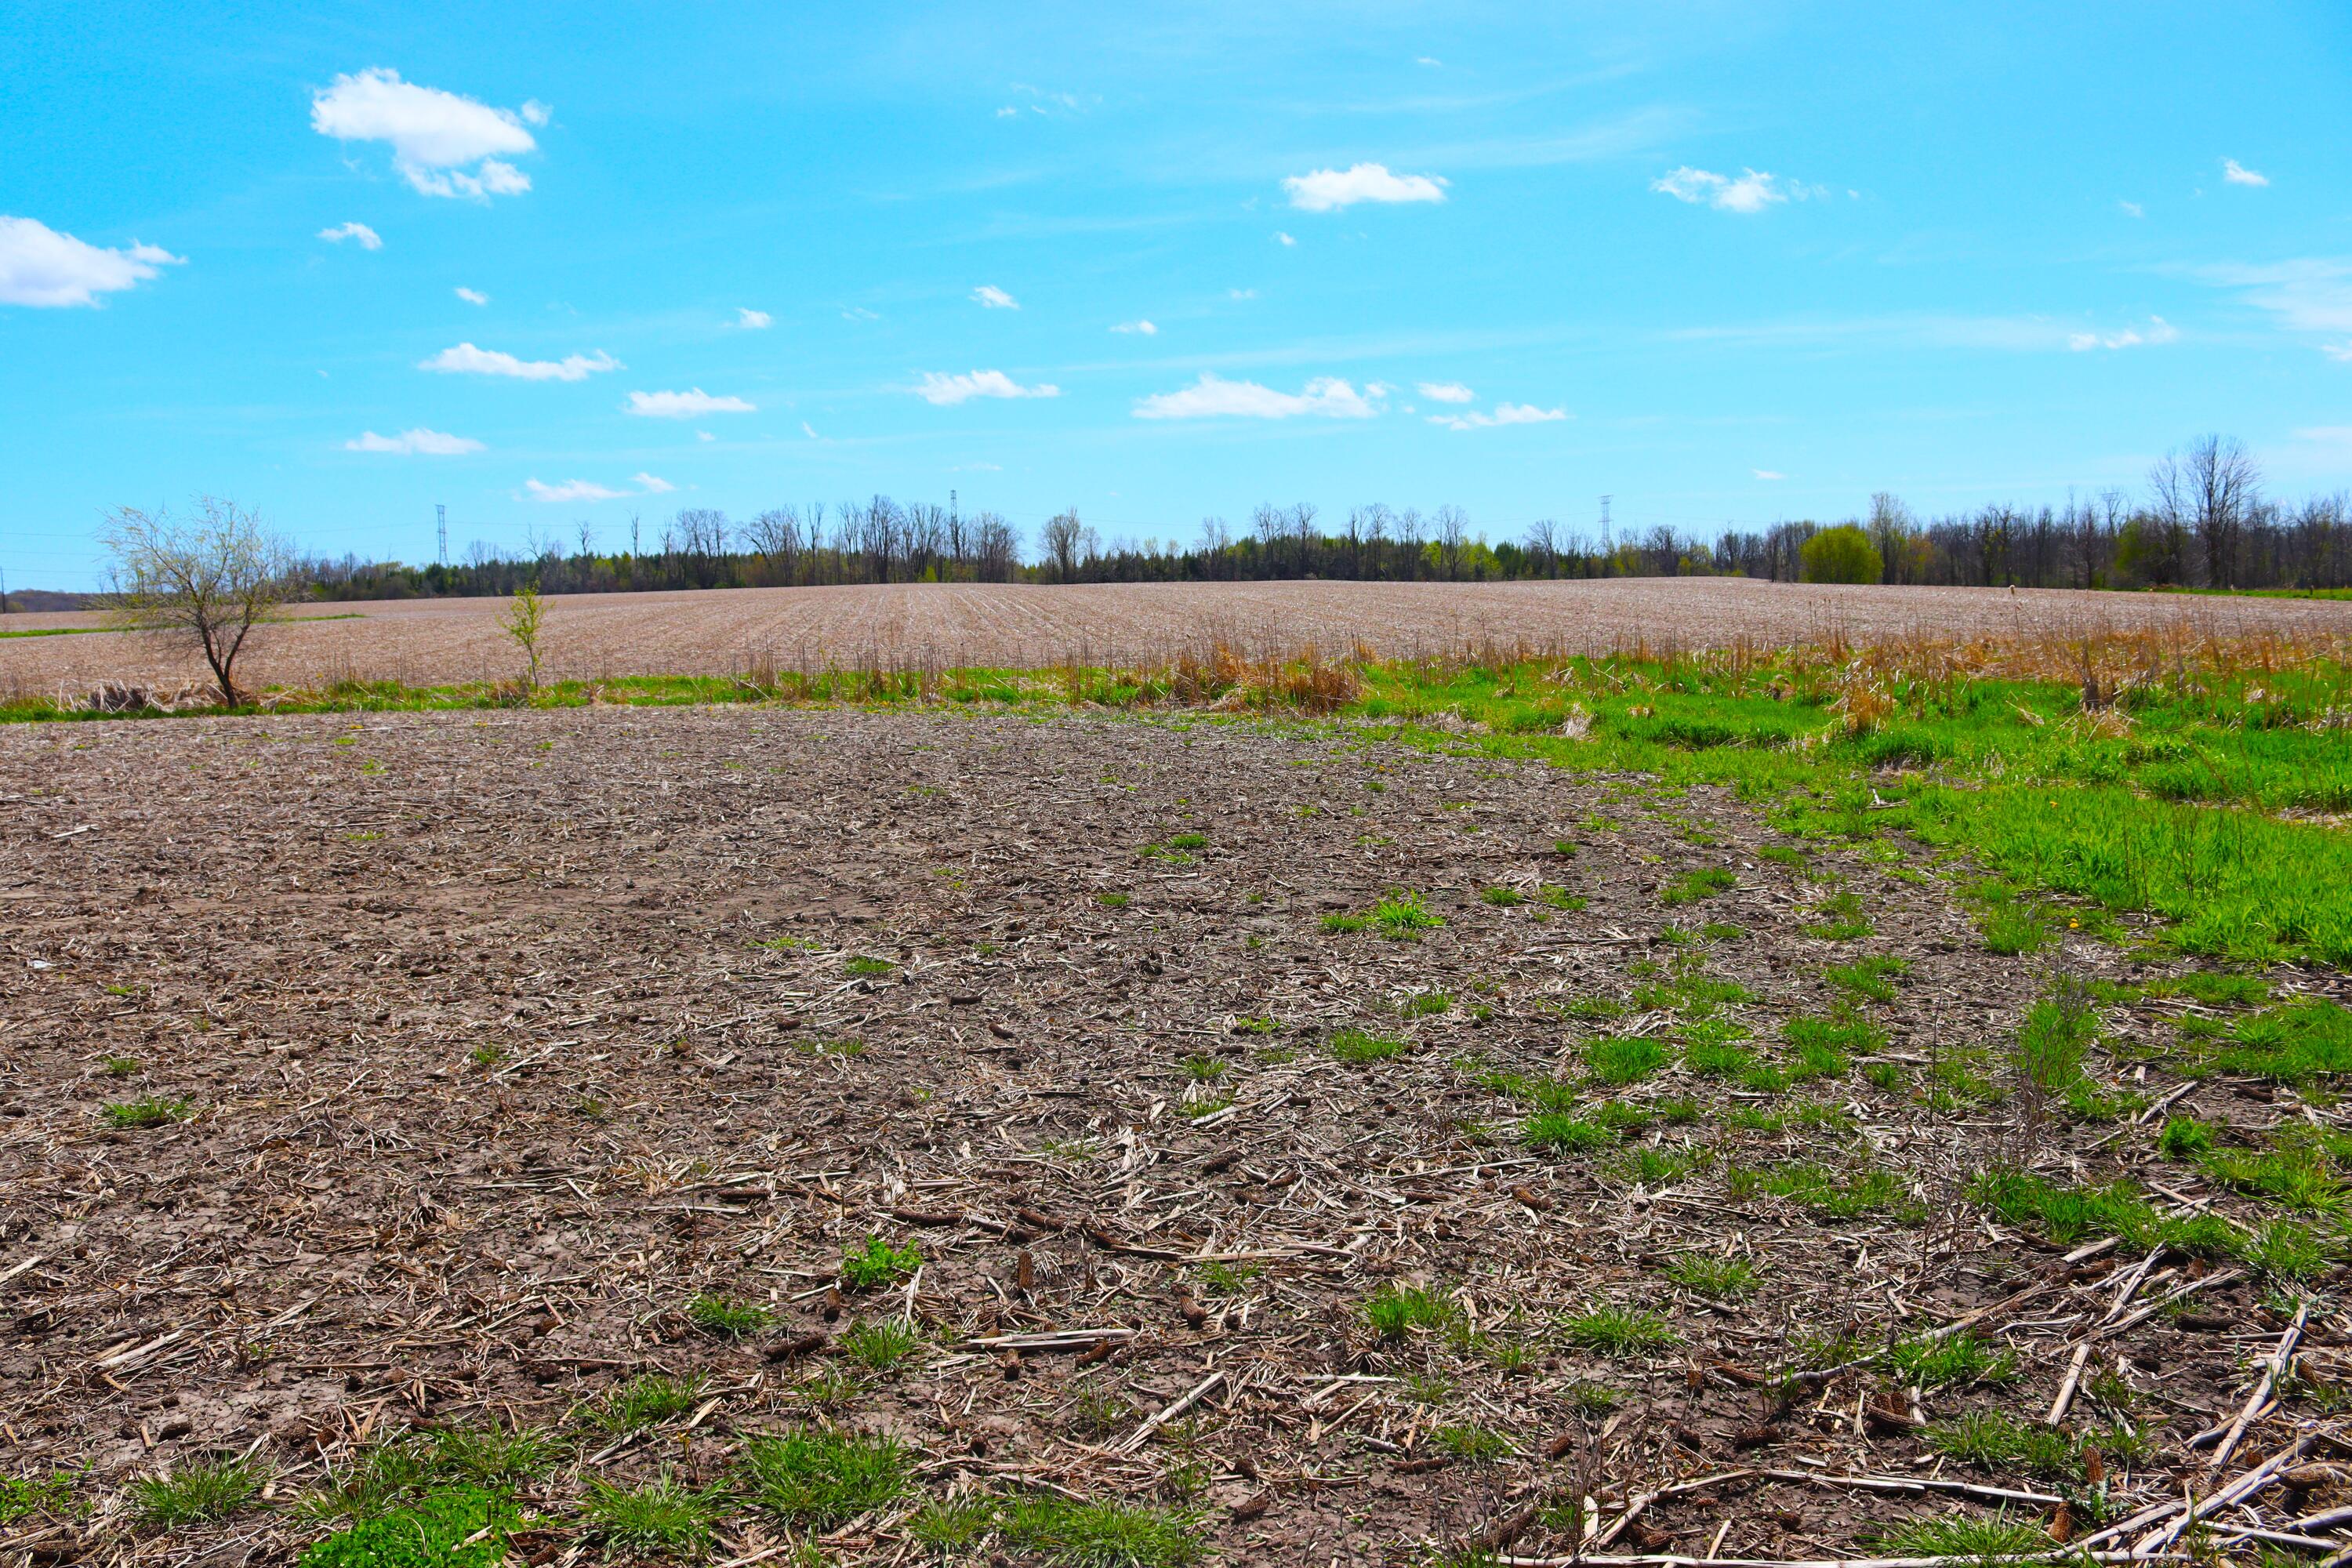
[2202, 520]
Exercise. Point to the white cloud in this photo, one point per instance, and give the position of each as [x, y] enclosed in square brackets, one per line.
[1283, 238]
[1504, 413]
[472, 296]
[467, 360]
[945, 390]
[1751, 192]
[1143, 327]
[535, 112]
[1214, 397]
[652, 486]
[1444, 391]
[690, 404]
[570, 490]
[2237, 173]
[809, 430]
[1008, 112]
[417, 443]
[859, 313]
[2340, 352]
[368, 239]
[432, 133]
[752, 320]
[1768, 473]
[2307, 295]
[1427, 60]
[704, 435]
[1241, 293]
[1329, 190]
[2158, 331]
[2131, 209]
[988, 297]
[41, 268]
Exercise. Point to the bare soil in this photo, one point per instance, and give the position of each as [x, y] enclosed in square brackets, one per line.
[728, 632]
[506, 1036]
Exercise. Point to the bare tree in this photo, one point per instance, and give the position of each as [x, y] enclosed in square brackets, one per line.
[776, 535]
[2224, 487]
[1302, 529]
[1543, 546]
[1376, 533]
[206, 581]
[1453, 534]
[1062, 537]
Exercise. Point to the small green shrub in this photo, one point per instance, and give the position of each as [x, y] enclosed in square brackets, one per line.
[877, 1263]
[662, 1518]
[1693, 886]
[1618, 1333]
[1393, 1311]
[881, 1344]
[725, 1319]
[151, 1111]
[428, 1533]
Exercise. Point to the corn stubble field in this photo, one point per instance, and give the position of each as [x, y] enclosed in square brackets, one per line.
[1843, 1104]
[423, 642]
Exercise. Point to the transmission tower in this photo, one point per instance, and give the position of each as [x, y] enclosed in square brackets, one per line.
[441, 515]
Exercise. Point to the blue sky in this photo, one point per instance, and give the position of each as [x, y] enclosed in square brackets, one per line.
[1724, 262]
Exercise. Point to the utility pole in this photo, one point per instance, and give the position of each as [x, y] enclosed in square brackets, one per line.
[3, 590]
[441, 517]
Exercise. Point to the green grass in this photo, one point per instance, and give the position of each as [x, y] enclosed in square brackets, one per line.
[1426, 1004]
[1999, 1442]
[1340, 923]
[1960, 1536]
[148, 1111]
[863, 965]
[882, 1344]
[1961, 1359]
[431, 1533]
[1503, 898]
[1727, 1278]
[1403, 916]
[1691, 887]
[1356, 1048]
[1082, 1534]
[1561, 1132]
[1394, 1310]
[28, 1497]
[726, 1319]
[200, 1492]
[876, 1263]
[1868, 979]
[1471, 1444]
[645, 1401]
[1618, 1333]
[663, 1518]
[823, 1476]
[2304, 1042]
[1625, 1059]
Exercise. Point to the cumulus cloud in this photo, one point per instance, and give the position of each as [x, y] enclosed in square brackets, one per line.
[1144, 328]
[2237, 173]
[1282, 239]
[472, 296]
[368, 239]
[1329, 190]
[570, 490]
[417, 443]
[988, 297]
[1504, 413]
[1444, 391]
[41, 268]
[1750, 192]
[752, 320]
[1214, 397]
[467, 360]
[937, 387]
[434, 135]
[690, 404]
[2158, 331]
[588, 489]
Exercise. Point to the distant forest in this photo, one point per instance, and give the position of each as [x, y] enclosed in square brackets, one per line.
[2202, 521]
